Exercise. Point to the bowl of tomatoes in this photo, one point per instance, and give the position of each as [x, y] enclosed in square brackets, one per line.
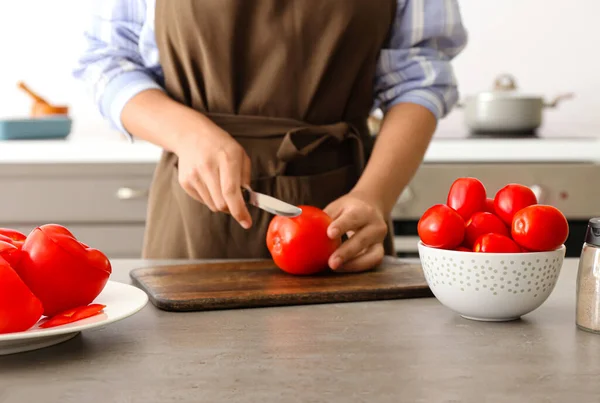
[492, 259]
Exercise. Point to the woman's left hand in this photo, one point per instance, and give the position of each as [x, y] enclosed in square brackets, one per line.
[363, 220]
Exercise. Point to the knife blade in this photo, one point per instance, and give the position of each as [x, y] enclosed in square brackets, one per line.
[270, 204]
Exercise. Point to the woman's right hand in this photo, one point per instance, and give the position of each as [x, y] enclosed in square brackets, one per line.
[213, 167]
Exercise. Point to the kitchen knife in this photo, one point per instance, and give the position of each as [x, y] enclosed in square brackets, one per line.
[270, 204]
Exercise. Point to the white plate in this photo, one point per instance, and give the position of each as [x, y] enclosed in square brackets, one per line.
[121, 300]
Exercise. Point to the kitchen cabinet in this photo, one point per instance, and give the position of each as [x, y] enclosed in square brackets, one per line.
[99, 188]
[103, 204]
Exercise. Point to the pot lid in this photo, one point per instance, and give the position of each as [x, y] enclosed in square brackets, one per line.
[505, 87]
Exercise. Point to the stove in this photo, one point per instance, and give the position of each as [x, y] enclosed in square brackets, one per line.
[563, 171]
[517, 135]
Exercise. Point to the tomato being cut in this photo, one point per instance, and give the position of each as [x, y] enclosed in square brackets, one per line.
[441, 227]
[540, 228]
[483, 223]
[512, 198]
[61, 271]
[10, 253]
[19, 308]
[467, 196]
[17, 238]
[300, 245]
[73, 315]
[495, 243]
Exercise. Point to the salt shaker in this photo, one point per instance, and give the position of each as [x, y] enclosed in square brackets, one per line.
[588, 280]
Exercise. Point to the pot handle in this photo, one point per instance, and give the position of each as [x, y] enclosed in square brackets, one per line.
[557, 99]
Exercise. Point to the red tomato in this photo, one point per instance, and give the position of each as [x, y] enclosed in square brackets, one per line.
[19, 308]
[467, 196]
[10, 253]
[540, 228]
[15, 236]
[463, 249]
[482, 223]
[512, 198]
[300, 245]
[60, 270]
[73, 315]
[489, 205]
[441, 227]
[495, 243]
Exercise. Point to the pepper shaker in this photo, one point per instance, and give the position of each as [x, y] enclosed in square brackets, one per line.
[588, 280]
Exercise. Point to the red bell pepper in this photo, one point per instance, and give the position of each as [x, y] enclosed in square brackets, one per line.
[73, 315]
[10, 253]
[16, 238]
[61, 271]
[19, 308]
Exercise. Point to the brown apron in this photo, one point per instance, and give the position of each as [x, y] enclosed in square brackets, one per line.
[292, 82]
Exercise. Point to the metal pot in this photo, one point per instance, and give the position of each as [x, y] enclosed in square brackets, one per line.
[506, 111]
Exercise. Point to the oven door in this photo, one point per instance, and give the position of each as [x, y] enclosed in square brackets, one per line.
[556, 184]
[406, 239]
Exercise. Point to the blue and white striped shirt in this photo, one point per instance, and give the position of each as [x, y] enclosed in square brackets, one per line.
[121, 57]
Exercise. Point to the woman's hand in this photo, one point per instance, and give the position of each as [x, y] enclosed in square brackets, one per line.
[401, 143]
[213, 167]
[362, 219]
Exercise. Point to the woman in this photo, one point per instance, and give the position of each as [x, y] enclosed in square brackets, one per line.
[274, 94]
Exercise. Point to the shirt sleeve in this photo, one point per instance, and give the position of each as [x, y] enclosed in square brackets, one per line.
[415, 66]
[111, 66]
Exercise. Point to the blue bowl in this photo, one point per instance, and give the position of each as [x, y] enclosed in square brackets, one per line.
[51, 127]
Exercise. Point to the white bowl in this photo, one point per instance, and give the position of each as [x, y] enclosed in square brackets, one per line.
[491, 286]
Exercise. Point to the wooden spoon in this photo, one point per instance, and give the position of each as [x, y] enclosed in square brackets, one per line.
[40, 106]
[31, 93]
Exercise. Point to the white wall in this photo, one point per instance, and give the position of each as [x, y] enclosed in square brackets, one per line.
[551, 46]
[38, 45]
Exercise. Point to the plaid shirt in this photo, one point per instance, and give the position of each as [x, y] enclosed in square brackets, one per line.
[121, 57]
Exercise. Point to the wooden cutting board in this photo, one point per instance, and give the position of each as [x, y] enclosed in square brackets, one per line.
[253, 284]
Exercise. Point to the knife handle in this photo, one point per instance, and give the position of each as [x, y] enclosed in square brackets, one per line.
[246, 195]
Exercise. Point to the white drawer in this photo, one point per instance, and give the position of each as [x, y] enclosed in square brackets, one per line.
[116, 241]
[29, 199]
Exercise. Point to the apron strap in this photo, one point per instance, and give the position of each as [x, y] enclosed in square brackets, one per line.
[289, 149]
[295, 134]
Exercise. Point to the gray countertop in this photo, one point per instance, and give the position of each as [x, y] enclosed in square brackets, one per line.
[115, 150]
[392, 351]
